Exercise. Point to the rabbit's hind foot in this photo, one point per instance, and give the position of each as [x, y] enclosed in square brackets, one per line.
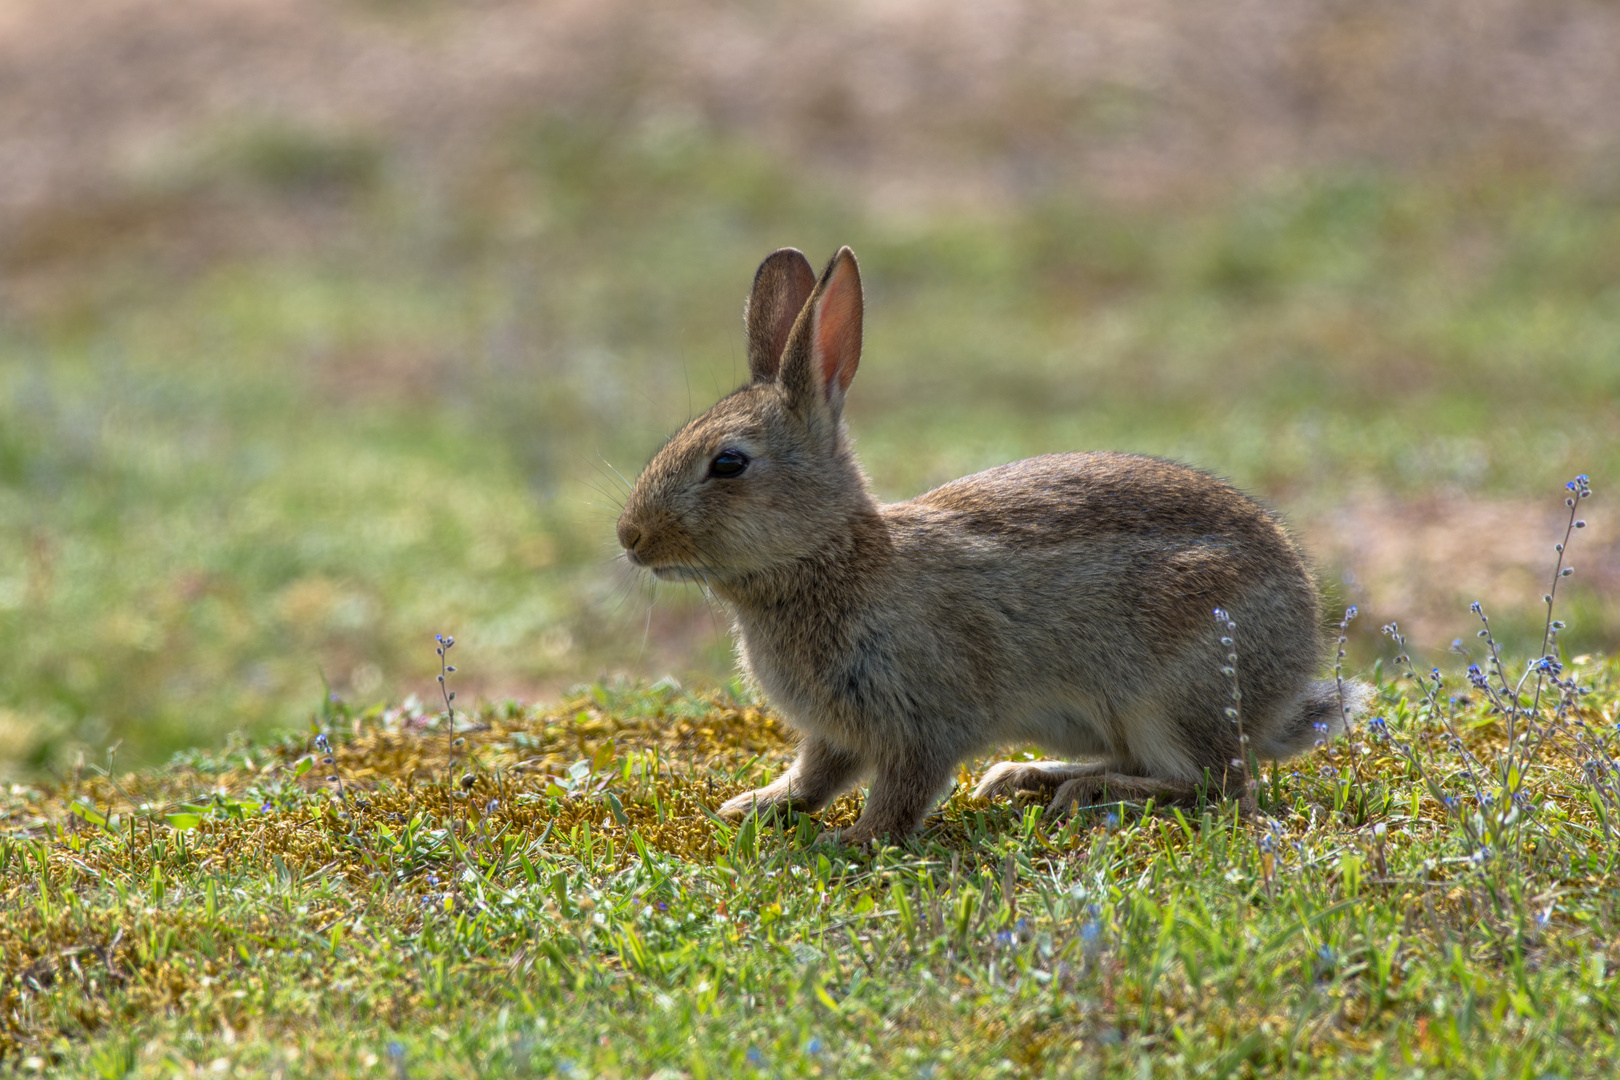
[1106, 788]
[1040, 778]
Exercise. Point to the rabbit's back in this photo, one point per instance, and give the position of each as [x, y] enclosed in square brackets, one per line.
[1159, 544]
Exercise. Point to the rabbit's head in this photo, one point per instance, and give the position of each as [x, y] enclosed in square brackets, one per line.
[766, 475]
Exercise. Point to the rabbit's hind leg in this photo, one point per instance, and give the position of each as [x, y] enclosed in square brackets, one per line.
[1037, 777]
[1105, 788]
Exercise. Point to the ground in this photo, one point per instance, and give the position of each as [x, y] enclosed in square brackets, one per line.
[567, 906]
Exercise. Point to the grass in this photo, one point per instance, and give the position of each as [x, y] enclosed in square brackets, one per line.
[272, 421]
[560, 903]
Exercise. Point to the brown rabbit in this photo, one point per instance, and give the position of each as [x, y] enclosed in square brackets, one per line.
[1064, 600]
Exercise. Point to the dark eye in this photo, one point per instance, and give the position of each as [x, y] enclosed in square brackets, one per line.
[728, 463]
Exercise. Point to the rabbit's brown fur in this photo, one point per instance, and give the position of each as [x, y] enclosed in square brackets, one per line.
[1064, 600]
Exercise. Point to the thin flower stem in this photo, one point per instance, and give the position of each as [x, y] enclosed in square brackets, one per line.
[1227, 628]
[446, 642]
[1579, 488]
[1344, 706]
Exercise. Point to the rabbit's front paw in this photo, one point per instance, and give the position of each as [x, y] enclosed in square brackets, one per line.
[740, 807]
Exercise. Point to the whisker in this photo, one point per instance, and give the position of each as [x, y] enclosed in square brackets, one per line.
[628, 486]
[646, 632]
[610, 493]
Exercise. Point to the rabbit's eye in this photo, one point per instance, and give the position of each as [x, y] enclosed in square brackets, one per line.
[728, 463]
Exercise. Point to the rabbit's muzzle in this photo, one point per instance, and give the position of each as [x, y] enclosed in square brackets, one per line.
[659, 547]
[630, 538]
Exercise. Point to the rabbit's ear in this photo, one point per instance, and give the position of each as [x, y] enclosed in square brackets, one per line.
[782, 284]
[825, 347]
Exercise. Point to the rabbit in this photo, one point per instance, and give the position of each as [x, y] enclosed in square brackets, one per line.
[1065, 601]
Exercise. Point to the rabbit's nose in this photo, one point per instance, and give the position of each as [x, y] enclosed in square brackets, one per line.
[629, 535]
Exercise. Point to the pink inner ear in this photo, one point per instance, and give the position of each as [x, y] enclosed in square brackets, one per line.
[838, 331]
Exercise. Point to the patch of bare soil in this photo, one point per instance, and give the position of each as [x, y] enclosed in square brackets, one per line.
[1422, 563]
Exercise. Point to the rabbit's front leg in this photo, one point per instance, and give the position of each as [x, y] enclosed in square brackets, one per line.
[902, 794]
[820, 774]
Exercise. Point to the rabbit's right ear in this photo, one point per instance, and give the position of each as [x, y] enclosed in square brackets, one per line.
[782, 284]
[825, 347]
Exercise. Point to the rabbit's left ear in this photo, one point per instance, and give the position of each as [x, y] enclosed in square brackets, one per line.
[825, 347]
[782, 284]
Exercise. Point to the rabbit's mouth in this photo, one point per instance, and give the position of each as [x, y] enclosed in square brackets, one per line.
[678, 573]
[668, 571]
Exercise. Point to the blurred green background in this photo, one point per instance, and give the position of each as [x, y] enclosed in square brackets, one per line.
[326, 327]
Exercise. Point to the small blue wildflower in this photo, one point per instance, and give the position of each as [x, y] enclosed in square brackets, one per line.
[814, 1046]
[1091, 931]
[1112, 821]
[565, 1067]
[265, 808]
[1006, 937]
[396, 1050]
[754, 1056]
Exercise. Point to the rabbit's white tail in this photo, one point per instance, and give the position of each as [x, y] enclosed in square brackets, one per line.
[1318, 715]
